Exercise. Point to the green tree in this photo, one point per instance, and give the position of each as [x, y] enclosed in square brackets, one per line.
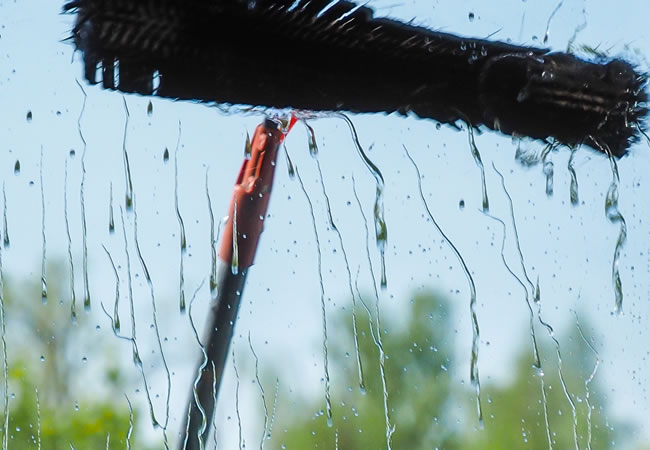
[418, 361]
[572, 396]
[430, 410]
[49, 394]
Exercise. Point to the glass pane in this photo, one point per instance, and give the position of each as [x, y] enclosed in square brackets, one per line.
[113, 214]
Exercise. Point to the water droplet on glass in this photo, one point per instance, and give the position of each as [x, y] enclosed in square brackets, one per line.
[17, 167]
[150, 108]
[470, 16]
[166, 155]
[461, 204]
[29, 116]
[248, 148]
[72, 153]
[547, 168]
[573, 189]
[311, 140]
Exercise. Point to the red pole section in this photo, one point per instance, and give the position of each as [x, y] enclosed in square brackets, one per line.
[250, 198]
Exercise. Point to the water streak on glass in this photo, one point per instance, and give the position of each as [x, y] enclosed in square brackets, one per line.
[111, 220]
[129, 433]
[531, 315]
[213, 242]
[147, 276]
[38, 419]
[614, 216]
[474, 372]
[362, 384]
[548, 23]
[537, 362]
[311, 139]
[234, 365]
[195, 386]
[547, 168]
[43, 240]
[275, 407]
[526, 155]
[573, 188]
[261, 388]
[234, 263]
[642, 131]
[537, 301]
[125, 156]
[86, 284]
[73, 304]
[134, 343]
[4, 216]
[381, 231]
[5, 360]
[479, 163]
[328, 401]
[578, 29]
[214, 396]
[181, 226]
[115, 319]
[290, 169]
[390, 429]
[565, 389]
[187, 427]
[588, 380]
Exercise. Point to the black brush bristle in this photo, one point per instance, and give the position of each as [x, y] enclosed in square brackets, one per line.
[316, 56]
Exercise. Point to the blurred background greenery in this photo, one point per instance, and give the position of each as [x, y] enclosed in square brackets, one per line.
[54, 405]
[61, 402]
[429, 409]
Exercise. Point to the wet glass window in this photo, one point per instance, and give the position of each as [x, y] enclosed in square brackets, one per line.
[471, 275]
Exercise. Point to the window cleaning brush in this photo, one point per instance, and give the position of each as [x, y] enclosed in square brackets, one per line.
[324, 55]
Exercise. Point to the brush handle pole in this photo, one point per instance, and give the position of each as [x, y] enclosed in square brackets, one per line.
[221, 322]
[244, 224]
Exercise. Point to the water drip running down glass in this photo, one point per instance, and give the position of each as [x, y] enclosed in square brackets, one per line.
[360, 325]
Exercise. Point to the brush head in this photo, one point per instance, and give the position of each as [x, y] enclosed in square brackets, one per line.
[558, 95]
[323, 56]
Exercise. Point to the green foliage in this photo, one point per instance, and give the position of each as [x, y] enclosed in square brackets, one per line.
[55, 395]
[431, 409]
[86, 427]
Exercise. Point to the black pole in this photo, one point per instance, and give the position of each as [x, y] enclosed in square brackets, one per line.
[218, 334]
[241, 235]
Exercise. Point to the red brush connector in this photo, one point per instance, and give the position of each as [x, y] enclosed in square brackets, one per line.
[250, 198]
